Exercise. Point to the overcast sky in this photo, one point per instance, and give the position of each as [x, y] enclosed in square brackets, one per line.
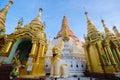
[54, 10]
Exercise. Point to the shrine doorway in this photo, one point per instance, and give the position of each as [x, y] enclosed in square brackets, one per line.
[20, 51]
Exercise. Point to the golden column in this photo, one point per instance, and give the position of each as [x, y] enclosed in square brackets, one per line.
[34, 48]
[9, 45]
[38, 69]
[118, 53]
[42, 58]
[112, 58]
[6, 47]
[107, 54]
[88, 60]
[110, 37]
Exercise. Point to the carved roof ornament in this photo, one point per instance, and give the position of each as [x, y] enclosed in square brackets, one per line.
[65, 27]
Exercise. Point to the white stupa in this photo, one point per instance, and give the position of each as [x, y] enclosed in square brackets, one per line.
[71, 50]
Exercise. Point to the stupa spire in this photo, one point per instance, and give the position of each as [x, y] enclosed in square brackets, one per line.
[39, 14]
[107, 31]
[3, 14]
[65, 29]
[37, 20]
[5, 10]
[90, 26]
[117, 33]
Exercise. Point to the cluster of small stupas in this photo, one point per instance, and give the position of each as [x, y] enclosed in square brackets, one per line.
[102, 51]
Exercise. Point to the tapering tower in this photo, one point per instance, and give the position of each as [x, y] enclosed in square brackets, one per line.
[112, 44]
[108, 33]
[65, 30]
[71, 47]
[65, 27]
[3, 14]
[117, 33]
[102, 58]
[28, 45]
[92, 40]
[91, 29]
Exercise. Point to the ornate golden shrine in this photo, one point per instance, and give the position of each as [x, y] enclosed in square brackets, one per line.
[27, 44]
[101, 50]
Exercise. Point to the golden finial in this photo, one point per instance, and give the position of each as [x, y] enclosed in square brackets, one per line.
[102, 21]
[20, 23]
[40, 9]
[40, 13]
[86, 12]
[37, 20]
[116, 31]
[11, 1]
[114, 27]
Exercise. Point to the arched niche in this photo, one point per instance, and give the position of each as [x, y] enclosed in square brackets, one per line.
[21, 49]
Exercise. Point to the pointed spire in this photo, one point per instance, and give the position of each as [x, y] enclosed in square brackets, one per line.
[3, 14]
[107, 31]
[39, 14]
[65, 29]
[5, 10]
[90, 26]
[19, 26]
[116, 31]
[37, 20]
[109, 34]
